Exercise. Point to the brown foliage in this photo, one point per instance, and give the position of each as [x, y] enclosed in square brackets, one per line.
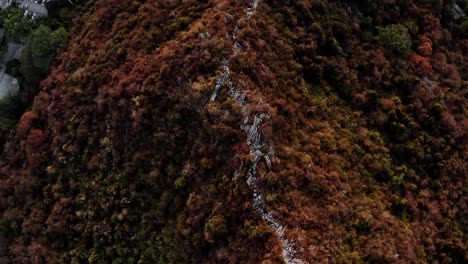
[36, 148]
[25, 124]
[421, 65]
[424, 46]
[368, 163]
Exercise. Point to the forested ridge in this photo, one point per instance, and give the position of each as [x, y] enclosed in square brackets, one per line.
[248, 131]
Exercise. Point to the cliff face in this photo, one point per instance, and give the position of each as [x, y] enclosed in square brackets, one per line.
[245, 132]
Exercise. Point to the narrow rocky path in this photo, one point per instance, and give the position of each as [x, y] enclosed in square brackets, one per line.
[259, 148]
[458, 11]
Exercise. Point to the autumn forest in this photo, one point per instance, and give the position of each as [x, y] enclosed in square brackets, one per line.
[247, 131]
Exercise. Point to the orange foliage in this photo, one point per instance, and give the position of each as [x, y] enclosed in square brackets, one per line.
[35, 139]
[420, 64]
[425, 46]
[141, 167]
[35, 148]
[25, 123]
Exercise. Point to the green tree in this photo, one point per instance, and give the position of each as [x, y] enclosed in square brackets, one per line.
[396, 38]
[38, 53]
[17, 26]
[463, 27]
[9, 113]
[59, 36]
[42, 44]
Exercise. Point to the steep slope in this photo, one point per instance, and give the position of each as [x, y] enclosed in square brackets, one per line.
[244, 132]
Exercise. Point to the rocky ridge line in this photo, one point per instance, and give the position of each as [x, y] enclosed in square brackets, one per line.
[257, 146]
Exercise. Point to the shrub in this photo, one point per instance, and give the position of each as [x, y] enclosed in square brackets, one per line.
[396, 38]
[215, 227]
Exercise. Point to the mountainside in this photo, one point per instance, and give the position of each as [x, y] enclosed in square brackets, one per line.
[247, 131]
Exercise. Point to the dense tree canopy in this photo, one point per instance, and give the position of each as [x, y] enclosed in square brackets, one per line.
[16, 24]
[358, 108]
[41, 46]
